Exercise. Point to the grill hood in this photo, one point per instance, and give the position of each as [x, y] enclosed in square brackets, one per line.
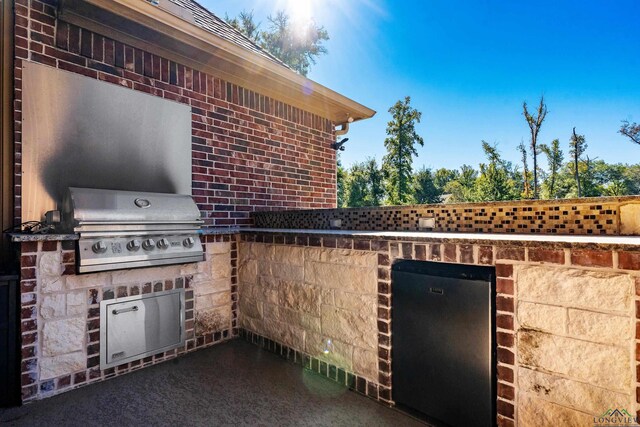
[128, 229]
[93, 210]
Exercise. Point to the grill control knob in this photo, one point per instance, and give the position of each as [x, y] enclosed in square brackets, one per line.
[163, 244]
[99, 247]
[148, 244]
[188, 242]
[133, 245]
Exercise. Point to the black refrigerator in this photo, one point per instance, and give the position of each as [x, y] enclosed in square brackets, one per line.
[443, 342]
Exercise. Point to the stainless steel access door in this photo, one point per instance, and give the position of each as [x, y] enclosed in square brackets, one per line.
[443, 356]
[135, 327]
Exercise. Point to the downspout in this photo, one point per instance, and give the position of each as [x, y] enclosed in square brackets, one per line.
[344, 127]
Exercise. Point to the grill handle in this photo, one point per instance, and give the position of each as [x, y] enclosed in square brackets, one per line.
[125, 310]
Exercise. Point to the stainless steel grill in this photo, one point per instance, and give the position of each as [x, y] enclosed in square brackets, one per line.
[127, 229]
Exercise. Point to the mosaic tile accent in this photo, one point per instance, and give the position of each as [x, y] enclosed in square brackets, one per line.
[597, 216]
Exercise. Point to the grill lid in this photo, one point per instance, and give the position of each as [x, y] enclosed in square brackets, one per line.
[114, 209]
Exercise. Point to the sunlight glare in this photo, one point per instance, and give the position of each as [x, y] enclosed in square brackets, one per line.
[300, 10]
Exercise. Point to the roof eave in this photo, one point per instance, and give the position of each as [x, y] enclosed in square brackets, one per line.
[220, 57]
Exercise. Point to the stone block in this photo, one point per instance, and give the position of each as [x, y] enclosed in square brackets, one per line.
[328, 296]
[597, 364]
[356, 279]
[293, 255]
[542, 317]
[365, 363]
[76, 303]
[262, 251]
[267, 289]
[347, 326]
[218, 248]
[143, 275]
[245, 252]
[290, 272]
[535, 412]
[248, 272]
[630, 219]
[63, 336]
[296, 318]
[600, 327]
[212, 320]
[287, 334]
[52, 284]
[300, 297]
[339, 353]
[98, 280]
[342, 256]
[50, 264]
[220, 265]
[52, 367]
[251, 324]
[596, 290]
[365, 305]
[220, 298]
[566, 392]
[250, 307]
[192, 268]
[53, 306]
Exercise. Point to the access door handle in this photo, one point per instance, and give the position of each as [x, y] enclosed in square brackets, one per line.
[126, 310]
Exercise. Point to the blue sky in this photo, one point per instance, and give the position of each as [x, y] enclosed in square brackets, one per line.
[469, 65]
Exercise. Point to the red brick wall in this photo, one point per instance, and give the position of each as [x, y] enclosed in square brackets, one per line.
[249, 151]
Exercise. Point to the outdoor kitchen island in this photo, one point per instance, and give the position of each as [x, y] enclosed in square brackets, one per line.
[322, 299]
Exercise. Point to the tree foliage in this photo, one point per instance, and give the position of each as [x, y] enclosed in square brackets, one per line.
[495, 181]
[631, 131]
[364, 184]
[535, 122]
[555, 157]
[400, 143]
[426, 191]
[297, 44]
[577, 148]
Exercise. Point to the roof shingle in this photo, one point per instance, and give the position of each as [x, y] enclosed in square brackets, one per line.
[208, 21]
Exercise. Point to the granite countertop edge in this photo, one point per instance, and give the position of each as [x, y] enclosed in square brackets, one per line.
[448, 237]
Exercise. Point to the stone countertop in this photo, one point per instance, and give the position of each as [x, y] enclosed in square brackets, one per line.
[219, 230]
[489, 238]
[25, 237]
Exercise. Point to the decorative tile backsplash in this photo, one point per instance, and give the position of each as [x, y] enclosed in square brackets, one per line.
[598, 216]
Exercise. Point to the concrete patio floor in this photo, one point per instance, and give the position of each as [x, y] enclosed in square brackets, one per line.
[230, 384]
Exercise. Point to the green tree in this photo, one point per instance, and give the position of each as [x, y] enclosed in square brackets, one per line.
[494, 182]
[341, 178]
[630, 130]
[425, 189]
[462, 187]
[297, 44]
[535, 122]
[526, 186]
[375, 196]
[443, 176]
[245, 23]
[401, 147]
[364, 184]
[577, 148]
[356, 186]
[555, 158]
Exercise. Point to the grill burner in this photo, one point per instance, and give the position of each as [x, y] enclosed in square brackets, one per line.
[127, 229]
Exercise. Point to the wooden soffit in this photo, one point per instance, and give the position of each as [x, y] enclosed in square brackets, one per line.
[174, 36]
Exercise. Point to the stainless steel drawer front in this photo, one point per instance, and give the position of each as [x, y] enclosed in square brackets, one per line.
[135, 327]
